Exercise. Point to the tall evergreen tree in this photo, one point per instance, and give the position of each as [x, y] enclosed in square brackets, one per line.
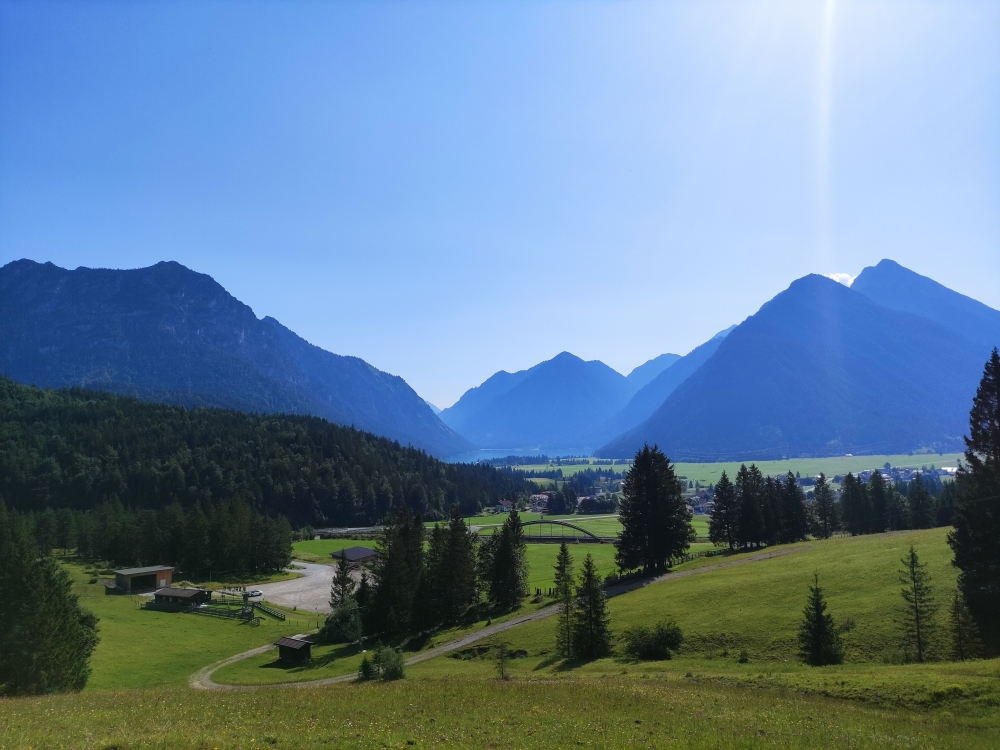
[965, 641]
[656, 521]
[723, 525]
[46, 637]
[750, 497]
[918, 613]
[459, 568]
[397, 573]
[922, 506]
[855, 508]
[819, 642]
[878, 493]
[826, 507]
[897, 514]
[342, 587]
[771, 509]
[508, 581]
[591, 624]
[794, 521]
[975, 539]
[564, 601]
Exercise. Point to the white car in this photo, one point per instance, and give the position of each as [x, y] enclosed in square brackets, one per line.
[256, 592]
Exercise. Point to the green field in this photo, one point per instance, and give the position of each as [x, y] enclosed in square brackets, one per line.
[709, 473]
[141, 648]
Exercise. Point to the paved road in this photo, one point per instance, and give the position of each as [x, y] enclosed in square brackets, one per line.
[310, 591]
[202, 679]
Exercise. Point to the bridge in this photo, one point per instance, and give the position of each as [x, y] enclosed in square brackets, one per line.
[560, 531]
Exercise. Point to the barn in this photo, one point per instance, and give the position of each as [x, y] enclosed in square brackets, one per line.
[184, 597]
[294, 650]
[355, 555]
[131, 580]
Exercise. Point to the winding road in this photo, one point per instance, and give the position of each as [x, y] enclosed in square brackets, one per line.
[202, 679]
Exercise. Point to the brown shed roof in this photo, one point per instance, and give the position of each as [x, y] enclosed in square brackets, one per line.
[142, 571]
[292, 643]
[182, 593]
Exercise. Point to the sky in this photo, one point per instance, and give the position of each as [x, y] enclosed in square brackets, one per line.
[448, 189]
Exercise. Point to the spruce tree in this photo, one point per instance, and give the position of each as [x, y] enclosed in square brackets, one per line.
[342, 587]
[878, 493]
[975, 539]
[750, 497]
[46, 637]
[509, 575]
[794, 521]
[656, 520]
[854, 505]
[591, 625]
[826, 508]
[965, 641]
[922, 510]
[819, 642]
[459, 568]
[564, 601]
[722, 527]
[397, 573]
[918, 613]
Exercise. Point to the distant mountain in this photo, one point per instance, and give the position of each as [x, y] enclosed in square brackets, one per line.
[166, 333]
[433, 407]
[549, 406]
[642, 405]
[893, 286]
[648, 371]
[821, 369]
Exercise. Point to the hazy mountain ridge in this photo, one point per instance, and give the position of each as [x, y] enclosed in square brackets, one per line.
[166, 333]
[819, 369]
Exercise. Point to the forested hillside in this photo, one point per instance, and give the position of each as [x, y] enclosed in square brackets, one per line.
[76, 448]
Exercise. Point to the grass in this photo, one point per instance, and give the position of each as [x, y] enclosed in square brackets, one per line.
[320, 550]
[709, 473]
[142, 648]
[613, 712]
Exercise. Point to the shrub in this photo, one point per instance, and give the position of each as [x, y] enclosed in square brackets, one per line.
[389, 662]
[343, 625]
[367, 670]
[652, 644]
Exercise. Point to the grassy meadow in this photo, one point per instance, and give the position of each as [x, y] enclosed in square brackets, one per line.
[141, 648]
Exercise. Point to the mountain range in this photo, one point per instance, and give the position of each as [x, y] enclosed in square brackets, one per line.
[888, 365]
[166, 333]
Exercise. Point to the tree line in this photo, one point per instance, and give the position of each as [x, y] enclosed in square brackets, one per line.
[214, 538]
[77, 449]
[755, 511]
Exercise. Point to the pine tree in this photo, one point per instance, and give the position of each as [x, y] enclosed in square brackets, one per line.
[918, 614]
[819, 642]
[46, 637]
[749, 501]
[508, 581]
[975, 539]
[794, 520]
[878, 493]
[656, 521]
[826, 508]
[965, 641]
[854, 506]
[397, 573]
[564, 602]
[922, 510]
[722, 527]
[342, 587]
[591, 626]
[459, 568]
[771, 509]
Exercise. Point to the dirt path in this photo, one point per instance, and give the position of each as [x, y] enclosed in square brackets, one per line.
[202, 679]
[310, 591]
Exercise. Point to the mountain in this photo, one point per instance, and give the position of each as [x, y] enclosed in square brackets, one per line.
[648, 371]
[433, 407]
[642, 405]
[893, 286]
[547, 407]
[166, 333]
[821, 369]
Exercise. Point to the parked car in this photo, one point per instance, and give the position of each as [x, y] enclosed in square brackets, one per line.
[256, 593]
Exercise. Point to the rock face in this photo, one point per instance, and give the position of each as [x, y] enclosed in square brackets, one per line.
[166, 333]
[823, 369]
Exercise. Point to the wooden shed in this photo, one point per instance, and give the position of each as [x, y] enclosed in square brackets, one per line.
[294, 650]
[131, 580]
[188, 597]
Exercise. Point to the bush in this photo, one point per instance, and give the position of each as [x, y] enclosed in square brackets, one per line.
[343, 625]
[367, 670]
[389, 662]
[652, 644]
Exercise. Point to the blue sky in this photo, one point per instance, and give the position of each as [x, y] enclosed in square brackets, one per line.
[449, 189]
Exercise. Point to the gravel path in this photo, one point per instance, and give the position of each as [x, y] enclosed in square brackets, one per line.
[310, 591]
[202, 679]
